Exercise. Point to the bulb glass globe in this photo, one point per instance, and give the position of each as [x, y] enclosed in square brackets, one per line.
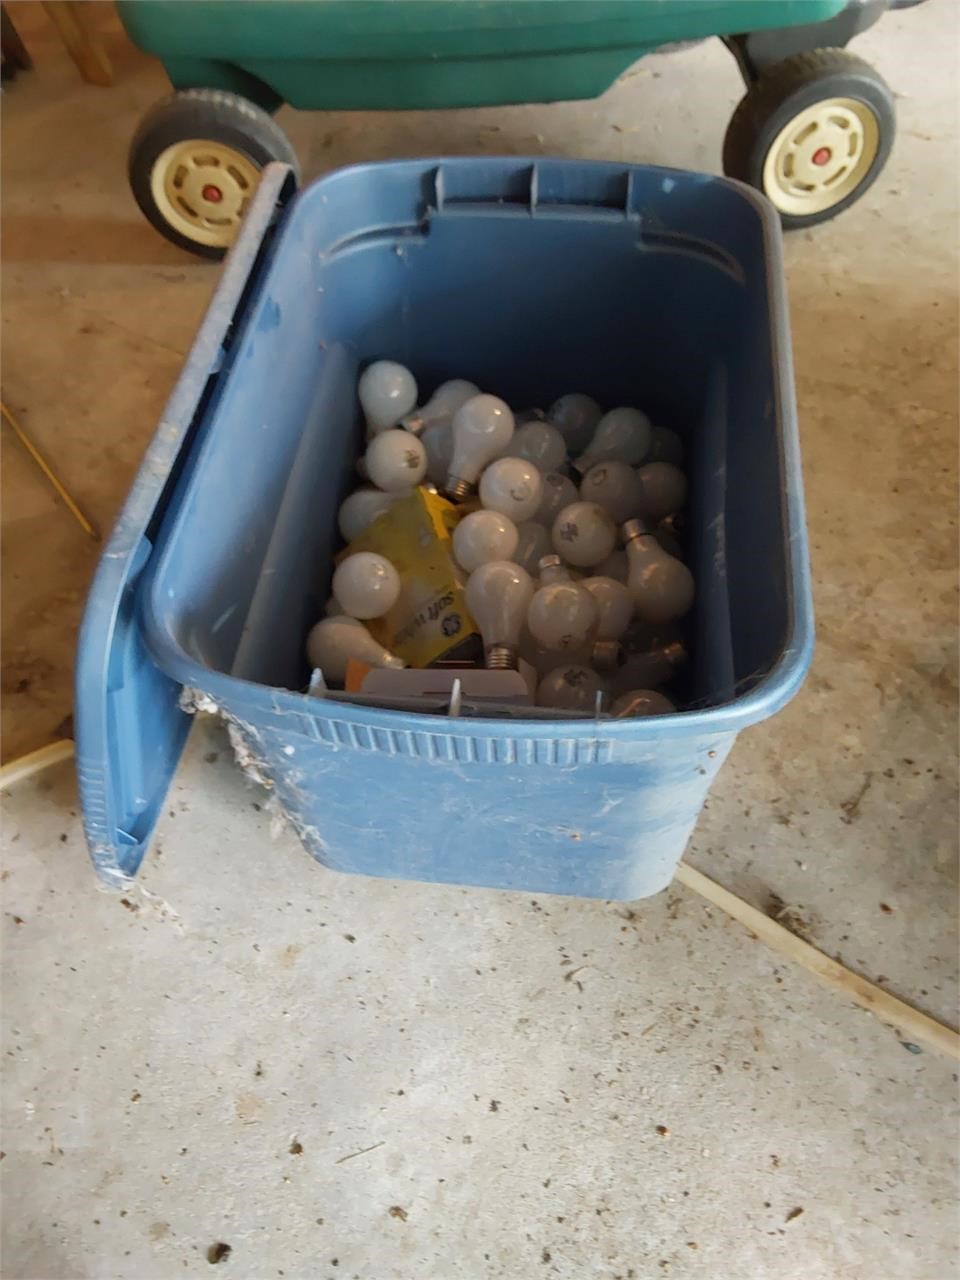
[662, 586]
[642, 702]
[615, 486]
[622, 435]
[541, 444]
[482, 428]
[614, 605]
[395, 460]
[334, 641]
[360, 508]
[513, 487]
[366, 585]
[570, 688]
[442, 405]
[533, 543]
[575, 416]
[583, 534]
[558, 492]
[387, 391]
[562, 613]
[497, 596]
[483, 536]
[663, 491]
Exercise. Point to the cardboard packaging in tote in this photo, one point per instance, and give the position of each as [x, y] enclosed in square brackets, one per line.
[430, 619]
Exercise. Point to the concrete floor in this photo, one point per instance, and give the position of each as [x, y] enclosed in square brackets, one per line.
[343, 1078]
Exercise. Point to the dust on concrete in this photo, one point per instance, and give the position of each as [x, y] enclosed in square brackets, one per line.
[851, 806]
[789, 915]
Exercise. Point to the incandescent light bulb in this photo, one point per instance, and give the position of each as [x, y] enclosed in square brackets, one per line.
[483, 536]
[366, 585]
[334, 641]
[497, 596]
[387, 391]
[395, 460]
[482, 428]
[562, 613]
[622, 435]
[661, 585]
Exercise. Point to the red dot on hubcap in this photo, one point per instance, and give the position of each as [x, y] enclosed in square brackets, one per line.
[214, 195]
[821, 155]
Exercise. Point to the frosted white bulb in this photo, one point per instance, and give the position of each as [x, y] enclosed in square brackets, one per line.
[614, 606]
[497, 596]
[562, 614]
[616, 566]
[533, 543]
[615, 486]
[387, 391]
[437, 442]
[666, 446]
[570, 688]
[334, 641]
[359, 510]
[395, 460]
[483, 536]
[513, 487]
[642, 702]
[482, 428]
[651, 669]
[366, 584]
[663, 490]
[575, 416]
[543, 660]
[541, 444]
[662, 586]
[442, 405]
[622, 435]
[558, 492]
[584, 534]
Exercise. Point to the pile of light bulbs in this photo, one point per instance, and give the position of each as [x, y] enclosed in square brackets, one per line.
[572, 558]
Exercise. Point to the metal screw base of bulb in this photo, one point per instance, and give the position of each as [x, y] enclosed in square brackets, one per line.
[606, 655]
[501, 657]
[458, 490]
[675, 653]
[634, 529]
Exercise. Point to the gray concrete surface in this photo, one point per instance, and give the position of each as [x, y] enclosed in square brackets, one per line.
[343, 1078]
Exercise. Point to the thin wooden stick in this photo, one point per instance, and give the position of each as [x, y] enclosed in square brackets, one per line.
[26, 766]
[915, 1025]
[85, 524]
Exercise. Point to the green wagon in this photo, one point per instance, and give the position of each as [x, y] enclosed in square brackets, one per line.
[813, 130]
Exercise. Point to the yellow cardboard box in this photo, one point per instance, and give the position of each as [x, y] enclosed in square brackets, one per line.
[430, 619]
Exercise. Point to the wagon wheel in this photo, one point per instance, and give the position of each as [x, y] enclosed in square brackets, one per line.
[812, 133]
[195, 164]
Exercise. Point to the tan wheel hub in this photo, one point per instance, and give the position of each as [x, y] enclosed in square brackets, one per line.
[821, 156]
[202, 189]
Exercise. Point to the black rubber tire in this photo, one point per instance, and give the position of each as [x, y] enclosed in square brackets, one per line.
[201, 113]
[782, 92]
